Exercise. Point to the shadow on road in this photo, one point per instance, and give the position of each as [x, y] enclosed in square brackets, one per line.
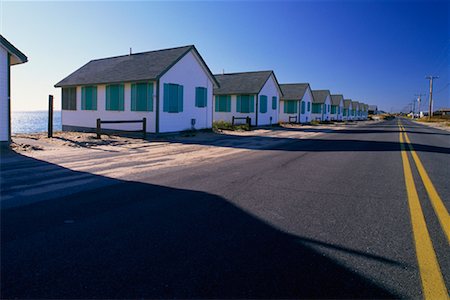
[139, 240]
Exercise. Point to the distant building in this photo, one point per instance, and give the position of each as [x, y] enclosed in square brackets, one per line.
[337, 107]
[248, 94]
[9, 56]
[347, 110]
[172, 88]
[296, 103]
[442, 112]
[321, 107]
[372, 110]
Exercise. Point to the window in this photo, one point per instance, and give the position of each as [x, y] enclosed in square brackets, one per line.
[290, 107]
[339, 109]
[69, 98]
[89, 98]
[274, 102]
[201, 96]
[142, 96]
[333, 109]
[309, 106]
[329, 107]
[114, 97]
[316, 108]
[173, 98]
[222, 103]
[245, 104]
[303, 107]
[263, 104]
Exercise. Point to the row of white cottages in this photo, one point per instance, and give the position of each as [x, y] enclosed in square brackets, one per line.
[175, 90]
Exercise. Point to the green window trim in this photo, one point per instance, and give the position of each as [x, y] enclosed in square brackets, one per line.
[309, 106]
[303, 107]
[142, 96]
[333, 109]
[222, 103]
[89, 97]
[263, 104]
[69, 98]
[290, 106]
[173, 98]
[115, 97]
[245, 104]
[274, 102]
[201, 97]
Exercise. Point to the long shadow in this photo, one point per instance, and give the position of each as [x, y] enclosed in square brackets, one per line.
[308, 145]
[140, 240]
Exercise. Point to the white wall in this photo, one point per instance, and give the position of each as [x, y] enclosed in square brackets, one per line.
[307, 97]
[4, 111]
[270, 90]
[227, 116]
[189, 73]
[87, 118]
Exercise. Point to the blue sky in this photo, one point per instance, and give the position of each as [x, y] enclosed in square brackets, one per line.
[377, 52]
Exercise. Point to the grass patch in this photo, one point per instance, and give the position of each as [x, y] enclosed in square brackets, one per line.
[222, 125]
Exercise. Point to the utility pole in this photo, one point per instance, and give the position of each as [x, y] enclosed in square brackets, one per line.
[418, 101]
[430, 113]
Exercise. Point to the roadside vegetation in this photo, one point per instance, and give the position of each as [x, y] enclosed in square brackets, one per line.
[222, 125]
[443, 120]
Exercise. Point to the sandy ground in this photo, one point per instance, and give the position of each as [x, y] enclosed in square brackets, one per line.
[126, 157]
[444, 125]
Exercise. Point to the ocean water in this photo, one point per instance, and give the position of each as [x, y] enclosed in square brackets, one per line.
[33, 121]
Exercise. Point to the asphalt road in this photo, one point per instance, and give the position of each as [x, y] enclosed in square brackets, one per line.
[324, 217]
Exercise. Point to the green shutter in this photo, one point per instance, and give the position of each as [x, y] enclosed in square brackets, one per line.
[216, 104]
[303, 107]
[251, 103]
[309, 106]
[200, 97]
[238, 103]
[150, 96]
[166, 97]
[180, 98]
[228, 103]
[274, 102]
[262, 104]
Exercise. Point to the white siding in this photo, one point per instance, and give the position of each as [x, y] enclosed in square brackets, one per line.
[307, 98]
[270, 90]
[189, 73]
[87, 118]
[4, 111]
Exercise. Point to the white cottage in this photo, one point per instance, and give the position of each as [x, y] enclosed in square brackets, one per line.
[171, 88]
[250, 94]
[347, 110]
[355, 110]
[9, 56]
[296, 103]
[321, 106]
[337, 105]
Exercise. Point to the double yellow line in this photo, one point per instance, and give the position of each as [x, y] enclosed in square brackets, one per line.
[432, 280]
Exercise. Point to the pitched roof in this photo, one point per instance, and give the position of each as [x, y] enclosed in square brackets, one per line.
[293, 91]
[336, 99]
[355, 105]
[320, 96]
[347, 103]
[134, 67]
[17, 56]
[242, 83]
[373, 107]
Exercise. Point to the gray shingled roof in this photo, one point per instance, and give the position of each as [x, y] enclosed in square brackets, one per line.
[135, 67]
[320, 96]
[18, 56]
[293, 91]
[336, 99]
[347, 103]
[355, 104]
[242, 83]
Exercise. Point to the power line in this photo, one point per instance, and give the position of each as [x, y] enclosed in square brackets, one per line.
[442, 89]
